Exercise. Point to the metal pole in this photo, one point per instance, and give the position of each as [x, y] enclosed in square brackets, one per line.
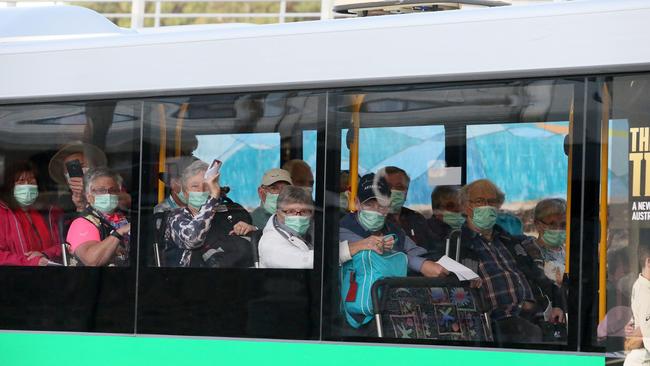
[137, 13]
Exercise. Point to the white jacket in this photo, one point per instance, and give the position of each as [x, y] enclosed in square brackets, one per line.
[283, 249]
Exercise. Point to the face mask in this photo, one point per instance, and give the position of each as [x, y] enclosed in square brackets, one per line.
[271, 202]
[105, 203]
[397, 199]
[198, 199]
[484, 217]
[299, 224]
[181, 197]
[371, 220]
[554, 238]
[453, 219]
[25, 194]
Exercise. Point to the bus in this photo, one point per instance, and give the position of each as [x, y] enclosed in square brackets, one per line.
[545, 101]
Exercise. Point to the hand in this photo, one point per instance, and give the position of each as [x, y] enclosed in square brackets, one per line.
[241, 228]
[557, 315]
[213, 186]
[43, 261]
[476, 283]
[124, 230]
[388, 244]
[373, 242]
[76, 185]
[34, 254]
[629, 329]
[433, 269]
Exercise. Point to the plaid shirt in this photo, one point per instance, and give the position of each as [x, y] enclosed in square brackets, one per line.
[505, 286]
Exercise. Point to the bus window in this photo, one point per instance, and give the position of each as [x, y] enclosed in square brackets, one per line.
[430, 188]
[248, 233]
[620, 316]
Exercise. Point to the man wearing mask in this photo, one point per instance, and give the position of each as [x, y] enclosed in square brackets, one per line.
[509, 275]
[100, 236]
[286, 242]
[301, 175]
[272, 183]
[172, 179]
[412, 222]
[367, 229]
[447, 215]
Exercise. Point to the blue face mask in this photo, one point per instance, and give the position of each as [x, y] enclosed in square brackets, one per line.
[453, 219]
[397, 199]
[271, 202]
[106, 203]
[299, 224]
[181, 197]
[25, 194]
[197, 199]
[554, 238]
[484, 217]
[371, 220]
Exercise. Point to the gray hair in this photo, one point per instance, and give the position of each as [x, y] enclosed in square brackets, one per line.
[192, 170]
[463, 196]
[441, 193]
[550, 206]
[100, 172]
[292, 194]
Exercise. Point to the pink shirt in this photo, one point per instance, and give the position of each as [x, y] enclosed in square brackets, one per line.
[81, 231]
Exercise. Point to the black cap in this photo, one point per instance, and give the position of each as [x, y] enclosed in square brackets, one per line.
[373, 186]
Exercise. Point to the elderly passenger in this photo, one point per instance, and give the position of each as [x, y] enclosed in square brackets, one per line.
[100, 236]
[447, 215]
[547, 249]
[272, 183]
[28, 233]
[285, 242]
[172, 179]
[198, 235]
[510, 277]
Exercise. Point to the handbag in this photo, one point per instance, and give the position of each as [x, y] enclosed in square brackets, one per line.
[359, 274]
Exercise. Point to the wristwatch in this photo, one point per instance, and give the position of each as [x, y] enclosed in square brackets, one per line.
[114, 233]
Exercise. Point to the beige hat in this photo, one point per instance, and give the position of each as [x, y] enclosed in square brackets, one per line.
[94, 156]
[276, 175]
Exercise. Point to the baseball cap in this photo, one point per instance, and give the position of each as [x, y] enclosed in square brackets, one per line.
[276, 175]
[373, 186]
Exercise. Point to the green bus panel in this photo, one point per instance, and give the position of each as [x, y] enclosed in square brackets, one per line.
[18, 349]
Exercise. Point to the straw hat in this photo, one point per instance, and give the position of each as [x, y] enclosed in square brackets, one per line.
[94, 157]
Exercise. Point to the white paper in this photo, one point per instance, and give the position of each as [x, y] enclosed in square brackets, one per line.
[463, 273]
[449, 176]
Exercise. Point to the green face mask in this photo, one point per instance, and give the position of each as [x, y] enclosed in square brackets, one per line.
[397, 199]
[105, 203]
[25, 194]
[484, 217]
[271, 202]
[371, 220]
[453, 219]
[554, 238]
[197, 199]
[299, 224]
[181, 197]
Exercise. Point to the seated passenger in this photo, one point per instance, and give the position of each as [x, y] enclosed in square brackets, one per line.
[547, 250]
[285, 242]
[88, 156]
[366, 228]
[301, 175]
[446, 212]
[28, 233]
[204, 234]
[509, 221]
[411, 222]
[272, 183]
[100, 236]
[510, 278]
[172, 179]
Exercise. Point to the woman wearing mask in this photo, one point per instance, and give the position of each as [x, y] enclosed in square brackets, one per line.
[285, 242]
[28, 235]
[100, 236]
[547, 249]
[447, 215]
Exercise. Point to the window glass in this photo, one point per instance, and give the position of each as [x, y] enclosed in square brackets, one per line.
[468, 175]
[623, 311]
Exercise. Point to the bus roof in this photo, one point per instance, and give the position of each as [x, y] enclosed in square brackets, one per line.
[538, 40]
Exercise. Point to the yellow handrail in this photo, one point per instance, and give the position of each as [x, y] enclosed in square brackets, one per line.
[162, 153]
[602, 247]
[357, 100]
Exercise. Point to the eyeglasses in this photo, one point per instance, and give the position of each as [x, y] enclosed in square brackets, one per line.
[375, 206]
[485, 202]
[554, 225]
[293, 212]
[105, 191]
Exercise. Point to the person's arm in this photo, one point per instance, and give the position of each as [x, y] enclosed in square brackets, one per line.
[85, 242]
[7, 255]
[189, 232]
[427, 268]
[276, 252]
